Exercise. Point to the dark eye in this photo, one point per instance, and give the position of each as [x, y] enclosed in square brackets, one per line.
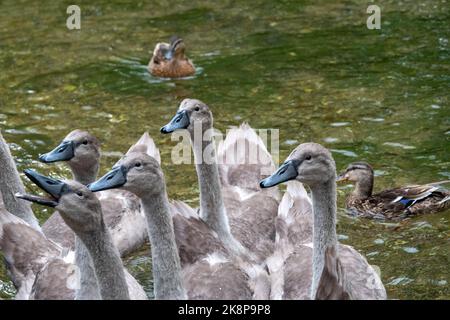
[308, 157]
[79, 193]
[137, 164]
[197, 108]
[85, 142]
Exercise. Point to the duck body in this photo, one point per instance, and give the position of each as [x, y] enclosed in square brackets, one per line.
[172, 68]
[391, 204]
[251, 210]
[170, 61]
[400, 203]
[195, 240]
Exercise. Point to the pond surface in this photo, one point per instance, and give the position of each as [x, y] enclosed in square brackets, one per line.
[308, 68]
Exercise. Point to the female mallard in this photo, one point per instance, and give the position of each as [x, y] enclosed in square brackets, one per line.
[170, 61]
[396, 203]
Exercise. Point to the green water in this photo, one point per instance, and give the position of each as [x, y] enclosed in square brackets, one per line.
[309, 68]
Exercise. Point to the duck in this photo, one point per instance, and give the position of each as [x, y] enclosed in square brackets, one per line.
[170, 61]
[320, 268]
[39, 267]
[82, 212]
[241, 214]
[219, 275]
[122, 210]
[392, 204]
[81, 151]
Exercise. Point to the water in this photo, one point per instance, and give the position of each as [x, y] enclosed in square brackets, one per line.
[309, 68]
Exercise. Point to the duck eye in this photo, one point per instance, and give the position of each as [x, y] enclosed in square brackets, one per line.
[308, 157]
[79, 193]
[85, 142]
[137, 164]
[197, 108]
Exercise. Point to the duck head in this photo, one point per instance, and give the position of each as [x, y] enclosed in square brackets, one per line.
[191, 113]
[309, 163]
[78, 206]
[355, 172]
[138, 173]
[80, 149]
[361, 174]
[175, 50]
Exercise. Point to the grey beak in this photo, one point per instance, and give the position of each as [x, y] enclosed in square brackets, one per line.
[38, 200]
[115, 178]
[287, 171]
[179, 121]
[55, 188]
[64, 152]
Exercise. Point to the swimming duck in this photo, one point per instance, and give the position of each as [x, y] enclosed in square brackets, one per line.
[321, 268]
[122, 210]
[170, 61]
[39, 267]
[81, 151]
[217, 276]
[82, 211]
[231, 203]
[395, 204]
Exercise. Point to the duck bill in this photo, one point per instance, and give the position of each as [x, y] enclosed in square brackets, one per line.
[341, 177]
[36, 199]
[64, 152]
[179, 121]
[287, 171]
[115, 178]
[55, 188]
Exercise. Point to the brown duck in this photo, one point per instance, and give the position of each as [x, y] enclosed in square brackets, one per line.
[170, 61]
[395, 204]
